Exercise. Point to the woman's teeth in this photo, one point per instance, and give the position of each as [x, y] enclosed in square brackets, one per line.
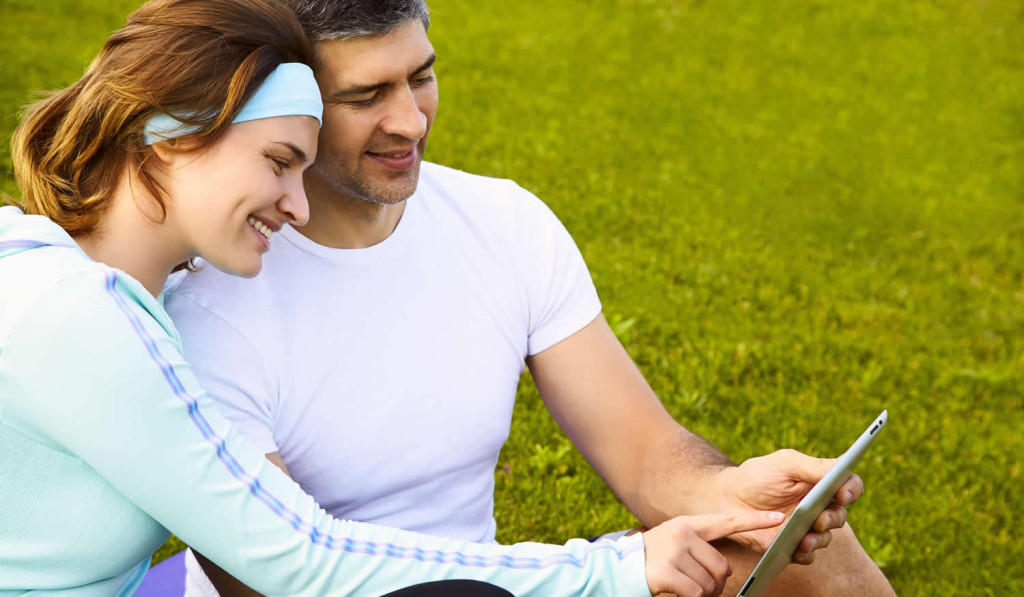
[260, 227]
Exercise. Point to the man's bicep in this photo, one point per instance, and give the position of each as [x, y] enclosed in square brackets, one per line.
[227, 585]
[593, 389]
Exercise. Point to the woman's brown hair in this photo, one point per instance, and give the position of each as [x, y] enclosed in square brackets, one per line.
[198, 60]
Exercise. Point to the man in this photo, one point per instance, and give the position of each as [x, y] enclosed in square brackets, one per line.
[376, 358]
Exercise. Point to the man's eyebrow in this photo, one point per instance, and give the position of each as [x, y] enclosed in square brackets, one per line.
[298, 153]
[364, 89]
[426, 65]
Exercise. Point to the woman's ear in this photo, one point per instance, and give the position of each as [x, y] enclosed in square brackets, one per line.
[165, 151]
[171, 154]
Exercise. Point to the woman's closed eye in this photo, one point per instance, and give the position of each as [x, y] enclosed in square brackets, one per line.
[280, 164]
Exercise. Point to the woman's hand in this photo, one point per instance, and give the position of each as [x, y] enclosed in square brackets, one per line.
[680, 558]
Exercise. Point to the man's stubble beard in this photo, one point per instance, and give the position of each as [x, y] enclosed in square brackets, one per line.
[363, 188]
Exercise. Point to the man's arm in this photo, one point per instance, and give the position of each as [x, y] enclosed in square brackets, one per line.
[598, 396]
[656, 467]
[227, 585]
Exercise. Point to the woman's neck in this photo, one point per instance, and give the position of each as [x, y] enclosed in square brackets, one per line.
[127, 239]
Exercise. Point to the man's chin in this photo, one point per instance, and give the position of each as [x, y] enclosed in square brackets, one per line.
[393, 189]
[368, 184]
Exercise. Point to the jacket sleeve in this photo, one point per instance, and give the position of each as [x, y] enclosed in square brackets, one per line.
[100, 377]
[242, 384]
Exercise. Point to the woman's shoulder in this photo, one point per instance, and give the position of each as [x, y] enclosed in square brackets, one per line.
[72, 288]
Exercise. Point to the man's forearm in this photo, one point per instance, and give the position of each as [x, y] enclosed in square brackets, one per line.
[600, 398]
[679, 477]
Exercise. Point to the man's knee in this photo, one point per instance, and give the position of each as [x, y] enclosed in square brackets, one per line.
[842, 569]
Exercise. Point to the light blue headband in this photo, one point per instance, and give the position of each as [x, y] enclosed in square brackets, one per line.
[290, 90]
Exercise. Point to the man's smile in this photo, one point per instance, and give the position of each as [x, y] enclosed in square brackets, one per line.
[396, 160]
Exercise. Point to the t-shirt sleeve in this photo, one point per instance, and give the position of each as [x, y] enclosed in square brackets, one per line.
[230, 368]
[94, 374]
[560, 294]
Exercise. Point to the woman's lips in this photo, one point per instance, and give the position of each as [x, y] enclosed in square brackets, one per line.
[261, 230]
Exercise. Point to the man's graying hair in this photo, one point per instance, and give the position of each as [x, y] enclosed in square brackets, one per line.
[324, 20]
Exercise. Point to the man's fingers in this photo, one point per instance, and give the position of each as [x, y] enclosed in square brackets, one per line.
[833, 517]
[803, 557]
[717, 526]
[851, 491]
[813, 541]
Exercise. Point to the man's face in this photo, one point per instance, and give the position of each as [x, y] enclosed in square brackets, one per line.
[380, 98]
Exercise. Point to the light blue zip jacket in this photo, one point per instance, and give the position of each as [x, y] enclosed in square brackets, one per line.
[107, 444]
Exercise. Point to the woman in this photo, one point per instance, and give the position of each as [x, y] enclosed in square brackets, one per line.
[187, 137]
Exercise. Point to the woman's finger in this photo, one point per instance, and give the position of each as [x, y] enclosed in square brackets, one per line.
[687, 587]
[696, 572]
[713, 562]
[718, 526]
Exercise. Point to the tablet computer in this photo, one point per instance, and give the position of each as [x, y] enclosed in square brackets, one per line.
[781, 551]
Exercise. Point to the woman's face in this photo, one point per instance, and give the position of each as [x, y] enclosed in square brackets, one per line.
[226, 201]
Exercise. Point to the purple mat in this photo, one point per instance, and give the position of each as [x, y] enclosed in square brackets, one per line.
[166, 579]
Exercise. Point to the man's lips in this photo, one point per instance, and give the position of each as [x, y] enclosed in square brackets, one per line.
[397, 160]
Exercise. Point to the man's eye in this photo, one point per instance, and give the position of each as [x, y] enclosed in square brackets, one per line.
[423, 80]
[365, 102]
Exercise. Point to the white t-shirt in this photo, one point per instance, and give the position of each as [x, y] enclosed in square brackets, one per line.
[385, 377]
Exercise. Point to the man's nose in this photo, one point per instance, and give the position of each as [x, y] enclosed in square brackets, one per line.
[405, 118]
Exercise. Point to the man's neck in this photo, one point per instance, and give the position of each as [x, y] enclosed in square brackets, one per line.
[341, 222]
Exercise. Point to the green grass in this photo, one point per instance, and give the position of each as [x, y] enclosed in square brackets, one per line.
[796, 213]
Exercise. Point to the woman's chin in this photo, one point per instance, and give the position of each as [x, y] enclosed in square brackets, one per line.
[245, 269]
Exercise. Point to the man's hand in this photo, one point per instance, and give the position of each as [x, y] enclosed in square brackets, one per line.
[777, 482]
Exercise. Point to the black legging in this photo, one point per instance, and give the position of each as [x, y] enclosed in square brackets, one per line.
[452, 588]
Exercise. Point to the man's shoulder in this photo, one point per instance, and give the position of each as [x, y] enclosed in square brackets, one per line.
[445, 175]
[466, 191]
[467, 185]
[204, 280]
[212, 291]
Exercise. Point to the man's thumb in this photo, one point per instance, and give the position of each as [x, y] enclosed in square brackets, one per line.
[809, 468]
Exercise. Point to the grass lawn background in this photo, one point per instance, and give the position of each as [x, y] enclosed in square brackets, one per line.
[796, 214]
